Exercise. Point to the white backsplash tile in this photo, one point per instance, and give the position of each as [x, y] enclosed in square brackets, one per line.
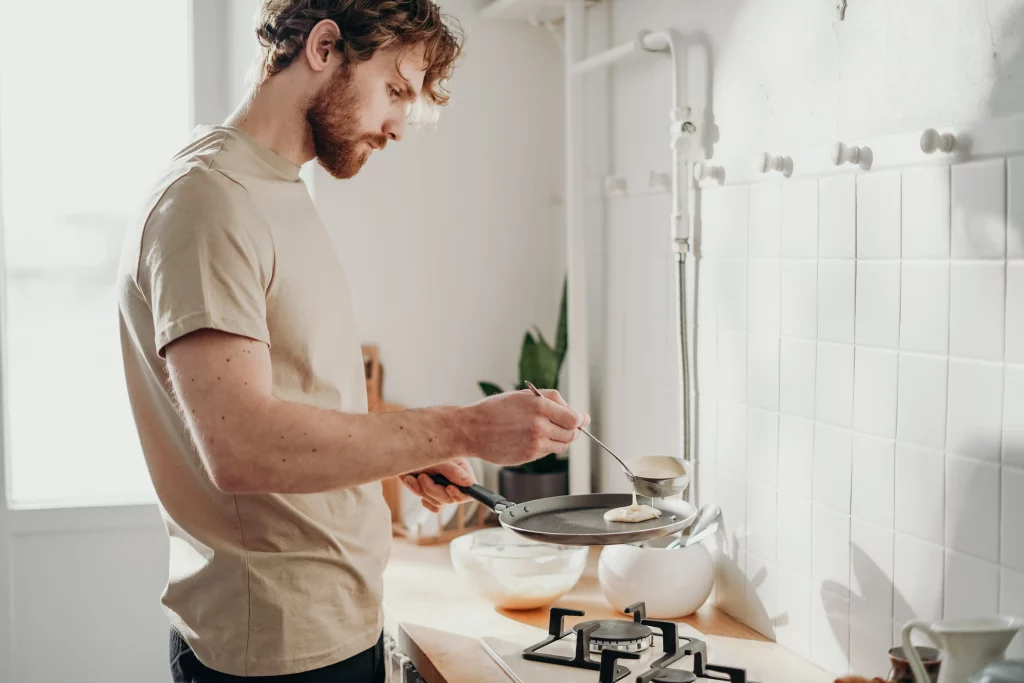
[800, 218]
[706, 296]
[799, 298]
[918, 578]
[874, 480]
[765, 231]
[830, 550]
[762, 600]
[871, 571]
[979, 210]
[707, 359]
[732, 438]
[869, 644]
[921, 403]
[924, 307]
[731, 583]
[1012, 516]
[732, 364]
[763, 296]
[1011, 594]
[834, 384]
[763, 448]
[974, 413]
[977, 305]
[833, 467]
[926, 212]
[794, 537]
[878, 215]
[837, 217]
[830, 630]
[1013, 417]
[1011, 604]
[1015, 208]
[878, 303]
[712, 220]
[761, 520]
[971, 587]
[732, 293]
[920, 481]
[797, 376]
[972, 507]
[733, 231]
[796, 455]
[1015, 311]
[836, 300]
[874, 391]
[794, 597]
[763, 371]
[860, 364]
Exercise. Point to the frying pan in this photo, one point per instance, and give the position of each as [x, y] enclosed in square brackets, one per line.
[579, 519]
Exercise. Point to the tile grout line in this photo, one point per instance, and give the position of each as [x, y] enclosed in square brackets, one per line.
[899, 339]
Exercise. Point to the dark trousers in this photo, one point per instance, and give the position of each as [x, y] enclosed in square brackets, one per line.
[366, 667]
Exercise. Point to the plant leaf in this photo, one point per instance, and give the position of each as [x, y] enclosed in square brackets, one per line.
[562, 336]
[490, 389]
[540, 337]
[537, 364]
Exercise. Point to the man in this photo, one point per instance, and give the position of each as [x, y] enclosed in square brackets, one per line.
[244, 368]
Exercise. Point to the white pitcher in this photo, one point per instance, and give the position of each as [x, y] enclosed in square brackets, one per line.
[966, 644]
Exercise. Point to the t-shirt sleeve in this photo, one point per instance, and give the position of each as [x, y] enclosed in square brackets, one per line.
[206, 261]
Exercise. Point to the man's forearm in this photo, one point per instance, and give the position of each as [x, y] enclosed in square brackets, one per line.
[283, 447]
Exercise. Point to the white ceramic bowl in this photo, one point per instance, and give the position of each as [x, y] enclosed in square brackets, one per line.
[672, 583]
[513, 572]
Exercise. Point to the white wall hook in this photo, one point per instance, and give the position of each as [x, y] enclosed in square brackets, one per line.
[841, 154]
[703, 171]
[781, 164]
[615, 185]
[659, 181]
[932, 141]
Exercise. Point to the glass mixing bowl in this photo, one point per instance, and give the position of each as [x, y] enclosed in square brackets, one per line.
[514, 572]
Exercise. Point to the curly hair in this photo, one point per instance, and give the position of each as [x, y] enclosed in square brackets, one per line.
[366, 26]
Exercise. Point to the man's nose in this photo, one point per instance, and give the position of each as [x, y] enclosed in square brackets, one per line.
[395, 129]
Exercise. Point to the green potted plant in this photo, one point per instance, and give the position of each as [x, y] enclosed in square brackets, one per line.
[540, 364]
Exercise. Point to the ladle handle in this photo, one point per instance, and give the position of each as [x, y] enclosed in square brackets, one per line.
[910, 652]
[611, 453]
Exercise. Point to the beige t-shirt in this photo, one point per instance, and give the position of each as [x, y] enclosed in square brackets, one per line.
[229, 239]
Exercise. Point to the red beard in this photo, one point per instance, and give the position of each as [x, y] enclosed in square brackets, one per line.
[334, 123]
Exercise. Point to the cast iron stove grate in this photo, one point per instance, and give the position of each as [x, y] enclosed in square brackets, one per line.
[623, 639]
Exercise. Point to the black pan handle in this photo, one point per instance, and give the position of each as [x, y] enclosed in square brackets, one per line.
[494, 501]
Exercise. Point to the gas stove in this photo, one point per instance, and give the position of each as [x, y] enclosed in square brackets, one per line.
[609, 650]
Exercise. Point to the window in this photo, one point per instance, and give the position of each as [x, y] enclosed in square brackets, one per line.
[91, 107]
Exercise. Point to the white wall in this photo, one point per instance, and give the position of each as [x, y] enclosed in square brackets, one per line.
[839, 527]
[451, 238]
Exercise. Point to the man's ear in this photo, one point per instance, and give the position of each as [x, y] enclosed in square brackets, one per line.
[320, 44]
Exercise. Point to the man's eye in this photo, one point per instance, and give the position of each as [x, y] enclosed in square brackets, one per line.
[392, 91]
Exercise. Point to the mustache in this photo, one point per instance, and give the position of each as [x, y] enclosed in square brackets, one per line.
[377, 141]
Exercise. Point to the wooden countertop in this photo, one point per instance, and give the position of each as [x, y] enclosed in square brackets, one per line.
[438, 621]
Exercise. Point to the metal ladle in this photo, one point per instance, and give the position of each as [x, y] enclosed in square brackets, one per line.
[650, 487]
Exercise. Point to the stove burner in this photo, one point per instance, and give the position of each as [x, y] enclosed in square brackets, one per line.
[614, 634]
[621, 639]
[673, 676]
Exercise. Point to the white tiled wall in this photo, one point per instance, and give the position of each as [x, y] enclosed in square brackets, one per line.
[860, 355]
